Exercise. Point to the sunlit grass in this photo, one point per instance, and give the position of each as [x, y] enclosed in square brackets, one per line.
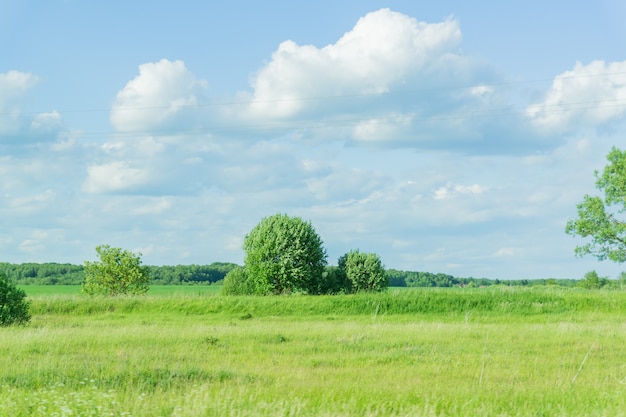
[48, 290]
[366, 355]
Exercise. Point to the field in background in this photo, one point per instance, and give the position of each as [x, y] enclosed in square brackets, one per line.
[432, 352]
[49, 290]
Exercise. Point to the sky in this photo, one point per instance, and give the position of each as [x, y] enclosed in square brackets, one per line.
[448, 137]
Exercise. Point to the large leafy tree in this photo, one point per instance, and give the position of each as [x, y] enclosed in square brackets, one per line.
[599, 217]
[363, 272]
[14, 307]
[118, 272]
[283, 255]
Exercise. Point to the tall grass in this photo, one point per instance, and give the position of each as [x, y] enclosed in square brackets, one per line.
[480, 352]
[497, 302]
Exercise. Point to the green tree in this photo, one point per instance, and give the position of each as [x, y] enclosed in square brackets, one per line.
[364, 271]
[597, 216]
[284, 254]
[14, 307]
[592, 281]
[118, 272]
[236, 282]
[334, 281]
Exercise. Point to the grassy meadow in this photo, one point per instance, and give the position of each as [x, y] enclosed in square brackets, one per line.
[187, 351]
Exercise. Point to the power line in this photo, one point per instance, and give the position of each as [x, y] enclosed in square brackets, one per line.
[370, 120]
[253, 101]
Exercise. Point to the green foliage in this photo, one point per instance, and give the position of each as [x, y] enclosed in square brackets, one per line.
[283, 255]
[334, 281]
[597, 216]
[363, 271]
[118, 272]
[67, 274]
[422, 279]
[14, 308]
[593, 281]
[189, 274]
[50, 273]
[236, 283]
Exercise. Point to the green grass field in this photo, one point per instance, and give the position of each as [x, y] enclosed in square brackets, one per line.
[47, 290]
[421, 352]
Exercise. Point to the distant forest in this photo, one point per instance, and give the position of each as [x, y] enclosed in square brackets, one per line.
[68, 274]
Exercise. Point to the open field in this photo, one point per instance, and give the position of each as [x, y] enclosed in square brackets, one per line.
[169, 290]
[423, 352]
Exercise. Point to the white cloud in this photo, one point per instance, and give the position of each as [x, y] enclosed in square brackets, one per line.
[390, 81]
[32, 203]
[16, 126]
[35, 242]
[46, 122]
[587, 95]
[482, 90]
[163, 95]
[449, 191]
[13, 85]
[155, 205]
[114, 176]
[383, 51]
[381, 129]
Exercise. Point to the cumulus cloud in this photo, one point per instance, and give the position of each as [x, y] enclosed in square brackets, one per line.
[390, 81]
[163, 95]
[361, 61]
[586, 95]
[114, 177]
[16, 126]
[47, 122]
[383, 51]
[13, 85]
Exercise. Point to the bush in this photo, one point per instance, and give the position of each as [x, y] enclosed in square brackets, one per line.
[14, 308]
[592, 281]
[118, 272]
[364, 271]
[334, 281]
[236, 283]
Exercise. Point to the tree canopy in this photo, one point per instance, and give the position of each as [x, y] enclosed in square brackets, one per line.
[283, 255]
[14, 307]
[598, 217]
[118, 272]
[363, 271]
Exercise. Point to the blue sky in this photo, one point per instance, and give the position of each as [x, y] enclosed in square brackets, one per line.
[447, 136]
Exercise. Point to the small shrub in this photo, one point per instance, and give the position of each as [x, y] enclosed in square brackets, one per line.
[236, 282]
[592, 281]
[14, 308]
[118, 272]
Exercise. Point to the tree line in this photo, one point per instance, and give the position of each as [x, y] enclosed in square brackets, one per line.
[68, 274]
